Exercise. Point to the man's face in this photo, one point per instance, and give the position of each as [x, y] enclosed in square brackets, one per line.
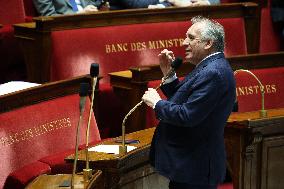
[195, 48]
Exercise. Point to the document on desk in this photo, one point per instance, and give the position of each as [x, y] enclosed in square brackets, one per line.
[110, 149]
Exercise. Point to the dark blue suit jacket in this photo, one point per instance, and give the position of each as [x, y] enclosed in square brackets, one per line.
[188, 144]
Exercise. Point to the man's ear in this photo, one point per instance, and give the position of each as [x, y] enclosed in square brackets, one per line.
[208, 44]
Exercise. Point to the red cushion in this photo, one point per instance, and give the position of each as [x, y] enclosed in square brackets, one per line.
[21, 177]
[39, 130]
[120, 47]
[226, 186]
[57, 162]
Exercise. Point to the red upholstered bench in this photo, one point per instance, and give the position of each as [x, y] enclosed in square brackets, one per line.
[37, 132]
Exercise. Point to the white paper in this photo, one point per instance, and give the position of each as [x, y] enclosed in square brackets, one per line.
[13, 86]
[110, 149]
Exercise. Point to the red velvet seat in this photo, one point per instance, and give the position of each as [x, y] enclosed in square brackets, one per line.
[57, 163]
[44, 131]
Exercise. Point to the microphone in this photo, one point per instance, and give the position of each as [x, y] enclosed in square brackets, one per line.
[83, 95]
[94, 72]
[174, 65]
[262, 111]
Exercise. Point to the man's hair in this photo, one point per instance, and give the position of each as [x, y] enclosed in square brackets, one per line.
[212, 30]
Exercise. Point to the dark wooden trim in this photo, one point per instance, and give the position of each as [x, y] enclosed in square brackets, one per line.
[41, 93]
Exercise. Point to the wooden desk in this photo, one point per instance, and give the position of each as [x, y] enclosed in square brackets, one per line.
[255, 150]
[54, 181]
[122, 171]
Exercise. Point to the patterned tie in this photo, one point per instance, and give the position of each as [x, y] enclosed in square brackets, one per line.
[74, 5]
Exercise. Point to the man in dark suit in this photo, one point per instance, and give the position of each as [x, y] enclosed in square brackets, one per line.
[62, 7]
[188, 144]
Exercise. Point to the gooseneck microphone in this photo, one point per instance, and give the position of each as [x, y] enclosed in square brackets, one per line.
[84, 87]
[174, 65]
[94, 72]
[262, 111]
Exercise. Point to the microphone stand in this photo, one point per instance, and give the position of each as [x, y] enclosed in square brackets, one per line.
[262, 112]
[94, 72]
[87, 172]
[83, 95]
[123, 147]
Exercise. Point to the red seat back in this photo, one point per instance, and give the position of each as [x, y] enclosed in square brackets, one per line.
[30, 8]
[12, 12]
[269, 38]
[117, 48]
[32, 132]
[248, 90]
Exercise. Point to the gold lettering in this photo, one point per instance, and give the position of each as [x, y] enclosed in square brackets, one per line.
[152, 45]
[37, 131]
[122, 47]
[113, 48]
[268, 89]
[241, 90]
[273, 88]
[250, 90]
[45, 126]
[3, 141]
[181, 42]
[138, 46]
[255, 89]
[108, 49]
[34, 131]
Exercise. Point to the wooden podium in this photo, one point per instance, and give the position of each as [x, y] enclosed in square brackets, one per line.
[255, 149]
[57, 182]
[128, 171]
[255, 153]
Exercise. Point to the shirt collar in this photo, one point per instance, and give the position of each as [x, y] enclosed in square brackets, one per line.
[207, 57]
